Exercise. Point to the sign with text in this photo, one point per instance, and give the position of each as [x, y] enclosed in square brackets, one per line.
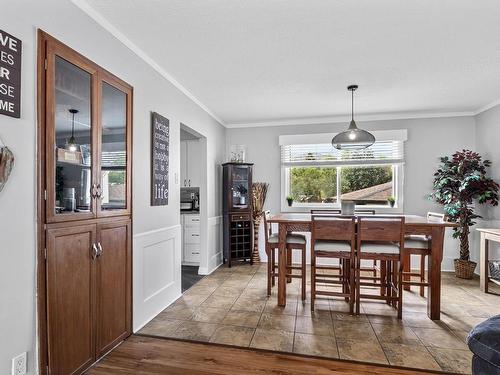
[10, 75]
[160, 140]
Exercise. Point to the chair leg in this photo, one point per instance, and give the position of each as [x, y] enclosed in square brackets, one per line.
[422, 274]
[289, 262]
[273, 263]
[374, 271]
[313, 278]
[406, 260]
[352, 290]
[269, 270]
[388, 282]
[303, 270]
[358, 287]
[383, 277]
[400, 290]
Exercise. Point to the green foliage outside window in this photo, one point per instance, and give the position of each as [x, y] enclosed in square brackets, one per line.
[357, 178]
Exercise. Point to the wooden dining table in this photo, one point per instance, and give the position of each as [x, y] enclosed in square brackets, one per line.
[414, 225]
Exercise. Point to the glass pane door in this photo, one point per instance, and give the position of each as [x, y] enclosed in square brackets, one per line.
[113, 163]
[240, 188]
[72, 139]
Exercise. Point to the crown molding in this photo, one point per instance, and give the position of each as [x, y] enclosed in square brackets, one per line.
[487, 106]
[346, 118]
[99, 19]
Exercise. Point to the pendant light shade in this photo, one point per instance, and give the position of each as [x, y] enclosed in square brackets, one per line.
[353, 138]
[72, 145]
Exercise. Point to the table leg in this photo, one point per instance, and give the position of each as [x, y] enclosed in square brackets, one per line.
[434, 270]
[282, 265]
[483, 264]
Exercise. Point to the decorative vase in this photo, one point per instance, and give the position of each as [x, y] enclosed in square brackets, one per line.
[256, 225]
[464, 269]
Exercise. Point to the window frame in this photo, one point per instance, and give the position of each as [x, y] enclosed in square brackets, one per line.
[398, 183]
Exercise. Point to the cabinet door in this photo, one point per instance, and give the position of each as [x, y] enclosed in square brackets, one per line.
[113, 284]
[70, 298]
[240, 185]
[71, 130]
[194, 163]
[184, 155]
[114, 147]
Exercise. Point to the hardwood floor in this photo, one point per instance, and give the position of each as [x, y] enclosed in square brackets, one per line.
[146, 355]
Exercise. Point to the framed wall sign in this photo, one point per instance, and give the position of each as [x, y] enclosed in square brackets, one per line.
[10, 75]
[160, 140]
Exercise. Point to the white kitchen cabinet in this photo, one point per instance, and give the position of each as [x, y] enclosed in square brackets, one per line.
[191, 163]
[191, 239]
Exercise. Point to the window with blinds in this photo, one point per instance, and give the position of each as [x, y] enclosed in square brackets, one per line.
[383, 152]
[315, 174]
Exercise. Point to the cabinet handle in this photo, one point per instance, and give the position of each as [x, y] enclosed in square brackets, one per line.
[189, 182]
[195, 219]
[195, 235]
[95, 251]
[184, 182]
[194, 253]
[100, 249]
[93, 192]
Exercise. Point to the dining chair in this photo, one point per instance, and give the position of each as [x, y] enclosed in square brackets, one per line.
[293, 242]
[333, 237]
[381, 238]
[419, 245]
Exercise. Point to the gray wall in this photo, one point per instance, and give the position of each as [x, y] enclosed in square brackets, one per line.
[152, 92]
[428, 139]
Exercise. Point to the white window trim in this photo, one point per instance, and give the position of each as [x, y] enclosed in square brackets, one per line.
[398, 208]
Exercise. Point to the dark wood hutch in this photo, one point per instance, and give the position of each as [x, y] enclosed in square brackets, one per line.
[237, 212]
[84, 209]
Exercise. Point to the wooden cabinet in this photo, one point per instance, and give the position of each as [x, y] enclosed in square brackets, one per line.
[191, 161]
[85, 208]
[237, 211]
[88, 291]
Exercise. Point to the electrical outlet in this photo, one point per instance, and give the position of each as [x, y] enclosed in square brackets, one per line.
[19, 364]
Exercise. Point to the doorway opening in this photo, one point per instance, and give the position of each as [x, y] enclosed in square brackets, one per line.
[192, 204]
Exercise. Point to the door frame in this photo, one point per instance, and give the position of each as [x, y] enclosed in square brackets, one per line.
[41, 200]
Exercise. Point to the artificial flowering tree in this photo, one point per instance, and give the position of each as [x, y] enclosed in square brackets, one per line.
[459, 182]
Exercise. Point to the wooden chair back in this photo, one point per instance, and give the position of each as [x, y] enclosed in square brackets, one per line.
[332, 211]
[381, 229]
[333, 228]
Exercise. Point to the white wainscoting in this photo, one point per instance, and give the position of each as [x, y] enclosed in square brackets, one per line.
[156, 272]
[214, 246]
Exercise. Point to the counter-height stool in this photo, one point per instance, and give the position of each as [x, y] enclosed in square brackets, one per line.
[381, 238]
[293, 242]
[419, 245]
[333, 237]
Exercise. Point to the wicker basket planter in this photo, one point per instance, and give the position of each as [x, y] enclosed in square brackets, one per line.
[464, 269]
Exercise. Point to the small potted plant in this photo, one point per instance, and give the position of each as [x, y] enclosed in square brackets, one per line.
[391, 200]
[289, 199]
[458, 183]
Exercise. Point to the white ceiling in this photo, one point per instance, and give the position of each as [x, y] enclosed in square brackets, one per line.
[251, 61]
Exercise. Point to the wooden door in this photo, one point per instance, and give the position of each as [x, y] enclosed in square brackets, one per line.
[113, 284]
[70, 298]
[184, 170]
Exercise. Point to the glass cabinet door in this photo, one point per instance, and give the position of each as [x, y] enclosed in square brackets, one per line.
[70, 163]
[240, 187]
[113, 182]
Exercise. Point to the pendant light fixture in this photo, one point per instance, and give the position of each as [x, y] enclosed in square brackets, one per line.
[72, 145]
[353, 138]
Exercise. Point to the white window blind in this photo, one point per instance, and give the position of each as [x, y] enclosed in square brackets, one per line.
[382, 152]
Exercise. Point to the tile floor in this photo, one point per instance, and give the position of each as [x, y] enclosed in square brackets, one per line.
[230, 307]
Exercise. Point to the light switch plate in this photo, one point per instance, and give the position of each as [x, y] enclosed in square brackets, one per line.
[19, 364]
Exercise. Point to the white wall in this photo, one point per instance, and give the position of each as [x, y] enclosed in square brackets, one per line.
[157, 285]
[428, 139]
